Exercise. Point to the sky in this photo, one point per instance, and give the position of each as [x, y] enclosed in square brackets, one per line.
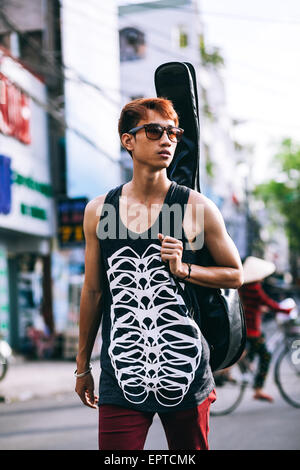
[259, 40]
[260, 43]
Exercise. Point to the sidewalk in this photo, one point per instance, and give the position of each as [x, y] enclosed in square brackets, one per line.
[26, 380]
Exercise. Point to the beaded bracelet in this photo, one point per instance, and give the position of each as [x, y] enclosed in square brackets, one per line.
[189, 274]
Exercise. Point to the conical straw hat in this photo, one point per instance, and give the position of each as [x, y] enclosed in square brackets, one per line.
[256, 269]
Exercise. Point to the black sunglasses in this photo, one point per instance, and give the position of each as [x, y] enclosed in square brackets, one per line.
[155, 132]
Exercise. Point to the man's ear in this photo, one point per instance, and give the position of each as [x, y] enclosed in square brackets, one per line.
[127, 141]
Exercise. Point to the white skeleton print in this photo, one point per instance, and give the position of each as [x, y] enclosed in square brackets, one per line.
[154, 345]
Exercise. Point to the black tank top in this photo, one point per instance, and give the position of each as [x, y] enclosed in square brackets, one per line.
[153, 356]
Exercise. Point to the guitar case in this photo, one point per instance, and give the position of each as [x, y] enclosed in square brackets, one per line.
[176, 81]
[222, 320]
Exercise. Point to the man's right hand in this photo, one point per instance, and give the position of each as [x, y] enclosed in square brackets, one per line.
[85, 389]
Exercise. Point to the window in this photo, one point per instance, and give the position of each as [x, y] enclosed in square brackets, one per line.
[132, 44]
[30, 43]
[182, 37]
[5, 40]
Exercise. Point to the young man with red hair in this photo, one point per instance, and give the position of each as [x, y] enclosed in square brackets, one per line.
[154, 358]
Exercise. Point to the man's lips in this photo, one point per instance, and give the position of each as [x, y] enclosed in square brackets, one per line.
[164, 153]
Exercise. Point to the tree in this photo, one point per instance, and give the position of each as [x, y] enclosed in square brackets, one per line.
[283, 194]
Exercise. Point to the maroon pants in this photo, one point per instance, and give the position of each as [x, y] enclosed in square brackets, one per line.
[124, 429]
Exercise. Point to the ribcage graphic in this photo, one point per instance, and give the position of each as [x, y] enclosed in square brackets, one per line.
[155, 346]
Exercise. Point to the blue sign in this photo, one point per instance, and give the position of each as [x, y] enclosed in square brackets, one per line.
[5, 185]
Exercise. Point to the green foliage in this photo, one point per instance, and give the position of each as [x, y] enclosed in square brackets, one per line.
[209, 166]
[207, 112]
[210, 58]
[283, 193]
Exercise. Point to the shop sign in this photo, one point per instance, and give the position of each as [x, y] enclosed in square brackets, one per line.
[33, 211]
[5, 185]
[70, 214]
[24, 197]
[14, 111]
[4, 302]
[30, 183]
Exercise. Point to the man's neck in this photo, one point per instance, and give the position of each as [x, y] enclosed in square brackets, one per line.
[148, 187]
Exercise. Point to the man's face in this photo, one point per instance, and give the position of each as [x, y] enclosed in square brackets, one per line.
[155, 153]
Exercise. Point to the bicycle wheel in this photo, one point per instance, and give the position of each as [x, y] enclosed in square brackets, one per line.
[230, 388]
[287, 376]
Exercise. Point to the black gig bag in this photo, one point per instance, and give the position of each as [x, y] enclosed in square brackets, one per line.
[222, 321]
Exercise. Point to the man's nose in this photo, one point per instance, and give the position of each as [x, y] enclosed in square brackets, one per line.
[165, 138]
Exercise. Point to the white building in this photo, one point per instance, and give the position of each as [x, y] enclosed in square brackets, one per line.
[92, 99]
[27, 218]
[152, 33]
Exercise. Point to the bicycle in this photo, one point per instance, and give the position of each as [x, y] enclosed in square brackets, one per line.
[232, 383]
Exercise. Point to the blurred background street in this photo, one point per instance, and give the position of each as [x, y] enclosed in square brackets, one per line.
[66, 70]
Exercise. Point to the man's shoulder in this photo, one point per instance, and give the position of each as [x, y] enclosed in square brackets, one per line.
[93, 209]
[198, 198]
[94, 206]
[212, 214]
[95, 202]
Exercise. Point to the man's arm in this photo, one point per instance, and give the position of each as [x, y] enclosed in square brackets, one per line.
[90, 302]
[229, 272]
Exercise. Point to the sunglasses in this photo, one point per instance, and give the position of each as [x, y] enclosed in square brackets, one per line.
[155, 132]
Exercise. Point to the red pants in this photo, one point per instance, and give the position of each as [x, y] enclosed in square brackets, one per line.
[124, 429]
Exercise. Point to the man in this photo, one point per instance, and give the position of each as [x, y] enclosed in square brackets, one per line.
[153, 358]
[254, 298]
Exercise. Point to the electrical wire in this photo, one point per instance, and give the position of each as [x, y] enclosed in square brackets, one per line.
[82, 80]
[253, 19]
[55, 69]
[56, 114]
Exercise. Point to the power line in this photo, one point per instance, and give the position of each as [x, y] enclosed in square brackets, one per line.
[273, 123]
[80, 79]
[77, 77]
[255, 19]
[58, 70]
[56, 114]
[252, 19]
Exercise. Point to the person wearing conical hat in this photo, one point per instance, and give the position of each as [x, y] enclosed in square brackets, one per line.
[253, 298]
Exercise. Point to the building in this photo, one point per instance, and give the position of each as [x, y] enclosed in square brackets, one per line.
[91, 106]
[92, 96]
[27, 205]
[152, 33]
[71, 85]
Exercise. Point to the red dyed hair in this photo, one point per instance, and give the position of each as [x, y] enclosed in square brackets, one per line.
[136, 110]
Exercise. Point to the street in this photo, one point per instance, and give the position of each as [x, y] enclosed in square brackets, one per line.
[61, 422]
[47, 415]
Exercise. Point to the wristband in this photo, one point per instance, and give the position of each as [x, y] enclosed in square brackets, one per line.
[189, 274]
[82, 374]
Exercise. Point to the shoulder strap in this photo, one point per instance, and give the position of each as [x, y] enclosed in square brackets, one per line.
[111, 198]
[181, 195]
[111, 195]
